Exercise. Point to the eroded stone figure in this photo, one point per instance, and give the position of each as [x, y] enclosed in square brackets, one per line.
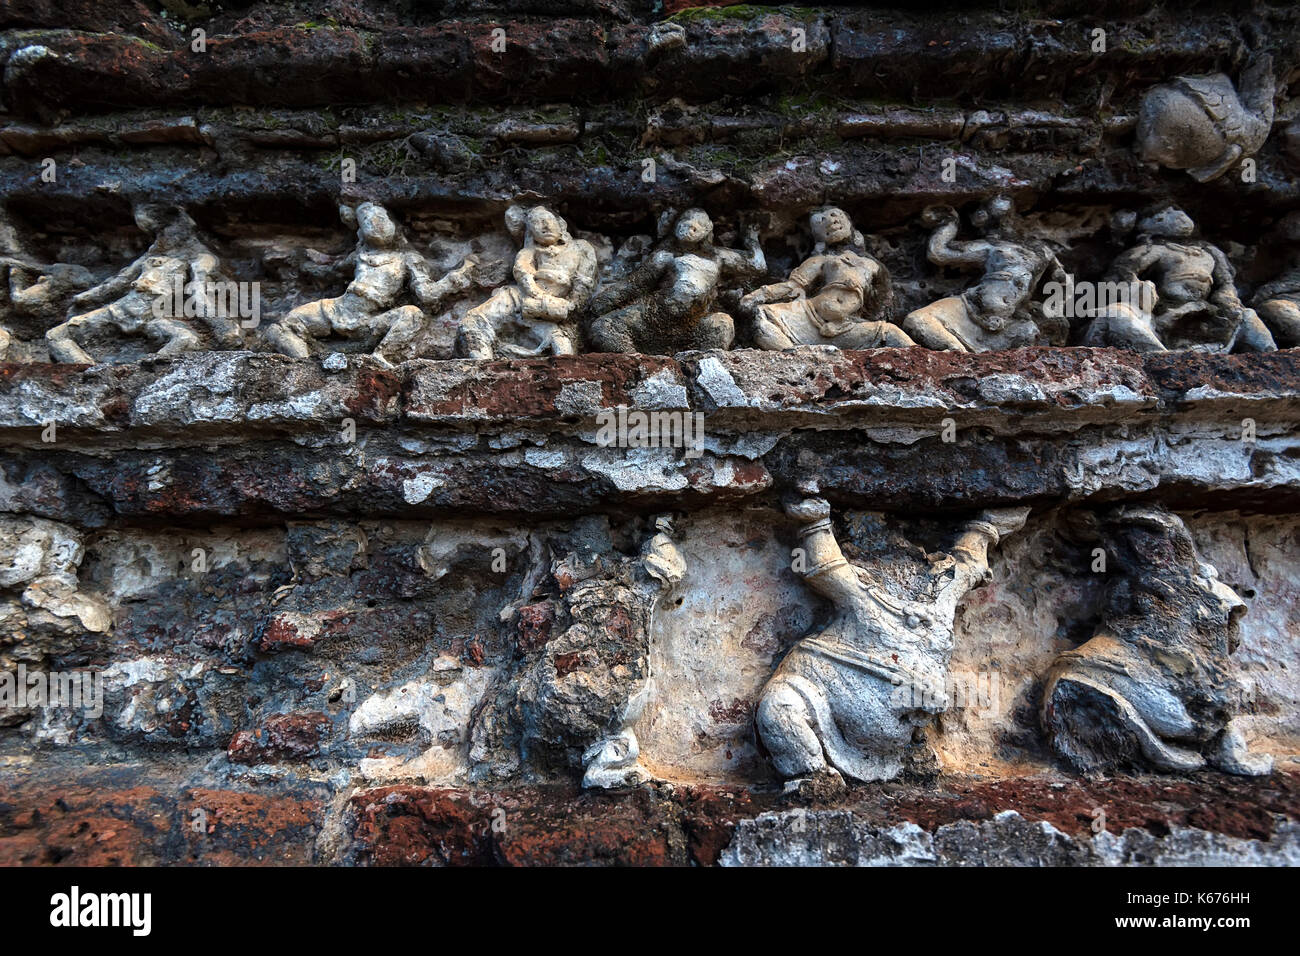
[849, 698]
[668, 304]
[574, 699]
[385, 267]
[996, 312]
[834, 297]
[1278, 302]
[555, 276]
[31, 289]
[1153, 688]
[1187, 296]
[129, 302]
[40, 560]
[1202, 125]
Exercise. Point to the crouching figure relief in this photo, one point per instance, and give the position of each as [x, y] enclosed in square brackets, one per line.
[370, 308]
[1152, 687]
[555, 276]
[668, 304]
[848, 699]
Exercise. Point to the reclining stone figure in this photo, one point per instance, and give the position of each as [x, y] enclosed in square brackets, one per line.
[667, 305]
[1192, 297]
[849, 698]
[1152, 687]
[1201, 124]
[1278, 302]
[369, 309]
[555, 276]
[996, 312]
[129, 301]
[834, 297]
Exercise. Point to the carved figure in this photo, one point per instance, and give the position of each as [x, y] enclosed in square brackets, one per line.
[848, 698]
[994, 313]
[385, 266]
[555, 276]
[1278, 302]
[577, 694]
[1191, 301]
[34, 289]
[668, 304]
[1152, 687]
[129, 301]
[1201, 124]
[834, 297]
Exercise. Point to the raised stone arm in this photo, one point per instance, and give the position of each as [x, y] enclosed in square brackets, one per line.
[429, 291]
[971, 551]
[826, 570]
[943, 248]
[747, 265]
[113, 287]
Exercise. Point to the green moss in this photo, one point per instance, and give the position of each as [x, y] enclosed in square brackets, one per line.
[743, 11]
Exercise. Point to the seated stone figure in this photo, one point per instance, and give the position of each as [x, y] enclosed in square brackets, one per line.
[555, 276]
[667, 305]
[1200, 124]
[1195, 302]
[128, 302]
[1152, 687]
[848, 698]
[1278, 302]
[834, 297]
[369, 309]
[996, 312]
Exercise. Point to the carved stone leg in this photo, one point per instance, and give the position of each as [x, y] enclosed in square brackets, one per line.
[476, 338]
[403, 324]
[769, 332]
[612, 332]
[62, 338]
[786, 727]
[715, 331]
[925, 328]
[1282, 316]
[176, 337]
[1252, 335]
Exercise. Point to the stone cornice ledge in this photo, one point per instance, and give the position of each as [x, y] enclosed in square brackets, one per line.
[251, 436]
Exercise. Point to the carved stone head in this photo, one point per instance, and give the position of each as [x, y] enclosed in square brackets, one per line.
[1170, 221]
[831, 226]
[1201, 125]
[545, 228]
[694, 228]
[374, 225]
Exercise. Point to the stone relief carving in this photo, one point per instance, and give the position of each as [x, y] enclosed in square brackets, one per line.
[555, 276]
[849, 698]
[1277, 302]
[40, 559]
[834, 297]
[1152, 687]
[1201, 124]
[668, 304]
[586, 680]
[564, 297]
[129, 302]
[385, 266]
[1188, 296]
[997, 311]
